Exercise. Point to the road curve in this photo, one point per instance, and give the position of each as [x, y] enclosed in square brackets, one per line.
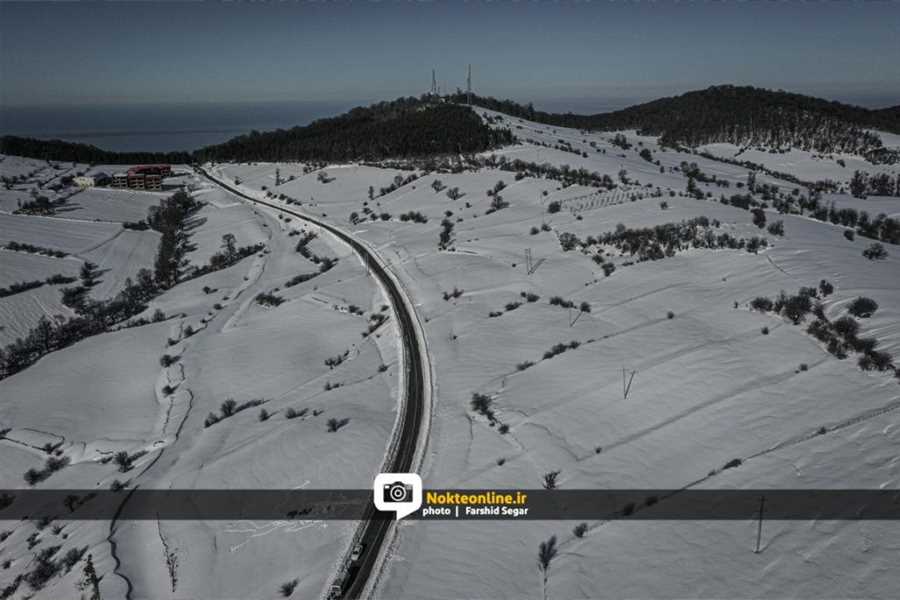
[374, 531]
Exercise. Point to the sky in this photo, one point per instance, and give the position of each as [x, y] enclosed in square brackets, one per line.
[560, 55]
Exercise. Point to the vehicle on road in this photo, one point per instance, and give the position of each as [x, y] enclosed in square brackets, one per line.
[357, 552]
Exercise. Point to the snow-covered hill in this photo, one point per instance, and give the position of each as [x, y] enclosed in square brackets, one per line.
[710, 385]
[715, 379]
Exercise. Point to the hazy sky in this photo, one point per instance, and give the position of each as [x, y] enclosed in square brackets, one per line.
[86, 52]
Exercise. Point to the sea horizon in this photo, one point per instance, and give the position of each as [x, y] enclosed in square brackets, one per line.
[176, 127]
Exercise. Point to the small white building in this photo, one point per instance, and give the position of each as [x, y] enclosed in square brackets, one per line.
[91, 180]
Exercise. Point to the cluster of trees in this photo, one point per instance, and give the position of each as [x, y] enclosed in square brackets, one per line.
[269, 299]
[560, 301]
[298, 279]
[560, 348]
[414, 216]
[51, 466]
[565, 174]
[406, 127]
[47, 564]
[841, 336]
[881, 227]
[325, 263]
[862, 185]
[692, 171]
[336, 360]
[375, 321]
[229, 254]
[481, 404]
[562, 145]
[40, 205]
[661, 241]
[621, 141]
[169, 219]
[18, 288]
[398, 182]
[23, 247]
[228, 409]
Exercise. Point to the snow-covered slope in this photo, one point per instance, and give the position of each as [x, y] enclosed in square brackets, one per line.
[710, 385]
[111, 393]
[715, 380]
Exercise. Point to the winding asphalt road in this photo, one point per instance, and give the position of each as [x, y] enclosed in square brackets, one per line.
[375, 525]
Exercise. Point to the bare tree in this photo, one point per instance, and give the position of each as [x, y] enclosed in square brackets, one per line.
[550, 480]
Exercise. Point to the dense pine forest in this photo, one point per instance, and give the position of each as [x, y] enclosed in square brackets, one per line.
[745, 116]
[403, 128]
[60, 151]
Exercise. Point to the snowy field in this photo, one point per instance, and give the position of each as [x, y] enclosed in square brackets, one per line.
[713, 381]
[73, 237]
[23, 266]
[120, 258]
[108, 204]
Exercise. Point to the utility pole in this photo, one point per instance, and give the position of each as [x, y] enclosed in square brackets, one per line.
[626, 382]
[762, 506]
[469, 86]
[433, 84]
[532, 265]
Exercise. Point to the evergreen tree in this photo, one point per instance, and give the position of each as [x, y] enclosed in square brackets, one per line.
[90, 581]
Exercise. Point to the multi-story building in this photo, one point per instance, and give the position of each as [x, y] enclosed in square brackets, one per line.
[120, 180]
[143, 177]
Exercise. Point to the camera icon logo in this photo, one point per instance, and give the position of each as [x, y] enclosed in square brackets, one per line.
[400, 493]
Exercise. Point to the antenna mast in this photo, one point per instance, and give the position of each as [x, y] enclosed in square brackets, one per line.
[433, 83]
[469, 86]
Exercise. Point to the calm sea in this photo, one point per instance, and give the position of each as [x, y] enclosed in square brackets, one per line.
[161, 127]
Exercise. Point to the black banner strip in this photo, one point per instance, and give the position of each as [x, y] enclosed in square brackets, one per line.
[560, 504]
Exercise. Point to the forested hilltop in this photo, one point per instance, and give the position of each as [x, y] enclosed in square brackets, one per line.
[402, 128]
[745, 116]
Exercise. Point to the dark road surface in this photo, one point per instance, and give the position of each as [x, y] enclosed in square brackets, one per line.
[375, 529]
